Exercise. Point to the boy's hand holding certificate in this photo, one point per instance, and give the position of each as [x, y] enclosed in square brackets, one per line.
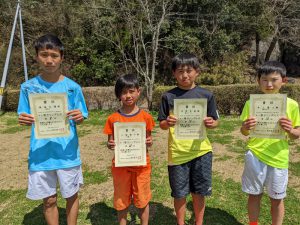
[190, 114]
[50, 112]
[130, 140]
[267, 109]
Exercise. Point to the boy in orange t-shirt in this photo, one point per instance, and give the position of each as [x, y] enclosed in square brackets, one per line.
[131, 182]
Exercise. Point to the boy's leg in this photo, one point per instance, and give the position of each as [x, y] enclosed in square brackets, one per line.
[50, 210]
[199, 207]
[201, 185]
[141, 190]
[122, 216]
[277, 211]
[277, 184]
[144, 215]
[179, 178]
[72, 208]
[70, 180]
[254, 207]
[180, 207]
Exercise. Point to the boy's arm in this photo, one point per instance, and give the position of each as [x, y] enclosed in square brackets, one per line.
[210, 123]
[287, 126]
[167, 123]
[149, 140]
[75, 115]
[248, 125]
[26, 119]
[111, 142]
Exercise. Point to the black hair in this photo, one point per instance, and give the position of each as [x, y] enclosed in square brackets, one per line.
[272, 67]
[185, 59]
[124, 82]
[49, 41]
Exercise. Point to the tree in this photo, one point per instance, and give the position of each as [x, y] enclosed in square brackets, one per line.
[135, 32]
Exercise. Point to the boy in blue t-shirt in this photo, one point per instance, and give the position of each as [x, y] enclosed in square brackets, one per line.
[190, 161]
[58, 158]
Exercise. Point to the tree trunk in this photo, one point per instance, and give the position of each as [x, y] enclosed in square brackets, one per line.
[257, 41]
[271, 48]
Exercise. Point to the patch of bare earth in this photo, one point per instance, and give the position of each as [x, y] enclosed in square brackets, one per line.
[13, 160]
[96, 157]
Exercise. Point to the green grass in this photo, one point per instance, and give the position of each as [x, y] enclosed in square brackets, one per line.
[295, 168]
[94, 177]
[9, 123]
[226, 206]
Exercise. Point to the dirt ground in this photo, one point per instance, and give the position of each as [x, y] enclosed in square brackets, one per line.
[96, 157]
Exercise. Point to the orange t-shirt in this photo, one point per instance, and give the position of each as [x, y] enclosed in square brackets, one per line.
[140, 116]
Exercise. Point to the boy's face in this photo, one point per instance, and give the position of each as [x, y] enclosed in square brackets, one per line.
[129, 96]
[49, 61]
[271, 83]
[185, 76]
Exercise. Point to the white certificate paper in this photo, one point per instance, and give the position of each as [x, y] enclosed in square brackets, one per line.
[49, 111]
[267, 109]
[190, 114]
[130, 140]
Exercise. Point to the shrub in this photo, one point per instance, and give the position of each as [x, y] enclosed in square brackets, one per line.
[232, 70]
[230, 99]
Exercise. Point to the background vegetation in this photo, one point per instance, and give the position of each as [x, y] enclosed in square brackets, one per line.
[106, 38]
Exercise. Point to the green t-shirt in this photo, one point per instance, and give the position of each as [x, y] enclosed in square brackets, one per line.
[182, 151]
[273, 152]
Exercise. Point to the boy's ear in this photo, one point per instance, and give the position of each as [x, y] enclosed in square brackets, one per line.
[284, 80]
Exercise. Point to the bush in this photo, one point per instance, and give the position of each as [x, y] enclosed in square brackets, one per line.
[230, 99]
[232, 70]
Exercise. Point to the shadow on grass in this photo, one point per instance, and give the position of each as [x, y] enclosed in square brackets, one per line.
[36, 216]
[102, 214]
[215, 216]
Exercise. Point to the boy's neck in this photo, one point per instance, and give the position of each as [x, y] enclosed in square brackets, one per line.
[52, 78]
[129, 110]
[187, 88]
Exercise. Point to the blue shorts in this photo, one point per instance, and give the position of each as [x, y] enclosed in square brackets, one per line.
[191, 177]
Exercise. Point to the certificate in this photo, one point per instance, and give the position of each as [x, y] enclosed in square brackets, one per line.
[267, 109]
[190, 114]
[130, 140]
[49, 111]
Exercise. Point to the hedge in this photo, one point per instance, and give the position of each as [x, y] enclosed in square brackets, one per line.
[230, 98]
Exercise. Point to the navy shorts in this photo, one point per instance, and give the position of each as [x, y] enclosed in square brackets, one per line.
[191, 177]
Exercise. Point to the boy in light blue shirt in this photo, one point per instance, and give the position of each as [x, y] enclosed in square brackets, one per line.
[53, 159]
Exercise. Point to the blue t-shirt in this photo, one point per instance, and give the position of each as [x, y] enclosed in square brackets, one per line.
[53, 153]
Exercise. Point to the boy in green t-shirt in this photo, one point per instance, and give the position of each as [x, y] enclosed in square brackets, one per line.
[266, 162]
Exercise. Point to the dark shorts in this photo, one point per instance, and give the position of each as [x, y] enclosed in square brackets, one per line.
[191, 177]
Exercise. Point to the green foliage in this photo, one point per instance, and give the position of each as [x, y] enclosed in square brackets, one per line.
[295, 168]
[231, 70]
[231, 98]
[9, 123]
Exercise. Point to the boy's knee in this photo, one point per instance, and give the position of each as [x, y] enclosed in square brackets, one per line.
[50, 201]
[276, 202]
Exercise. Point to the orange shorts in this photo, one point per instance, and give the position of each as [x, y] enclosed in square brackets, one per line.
[131, 183]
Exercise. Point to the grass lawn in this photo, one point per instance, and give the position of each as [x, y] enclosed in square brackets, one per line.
[226, 206]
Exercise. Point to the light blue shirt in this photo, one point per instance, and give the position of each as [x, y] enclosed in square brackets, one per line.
[53, 153]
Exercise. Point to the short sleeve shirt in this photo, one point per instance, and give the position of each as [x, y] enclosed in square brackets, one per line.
[140, 116]
[182, 151]
[273, 152]
[53, 153]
